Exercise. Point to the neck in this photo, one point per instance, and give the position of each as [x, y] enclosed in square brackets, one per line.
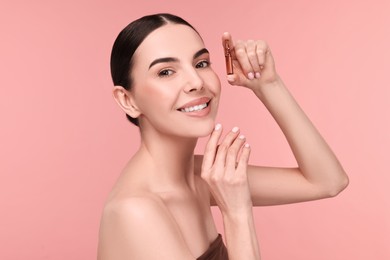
[169, 158]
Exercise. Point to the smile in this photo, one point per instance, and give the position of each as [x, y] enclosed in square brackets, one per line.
[195, 108]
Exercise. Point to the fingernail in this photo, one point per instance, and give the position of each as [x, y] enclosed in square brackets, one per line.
[246, 145]
[250, 75]
[217, 127]
[242, 137]
[235, 129]
[257, 75]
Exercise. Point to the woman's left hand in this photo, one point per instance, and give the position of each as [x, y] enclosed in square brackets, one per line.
[253, 64]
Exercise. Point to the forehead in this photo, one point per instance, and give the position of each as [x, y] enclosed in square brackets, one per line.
[171, 40]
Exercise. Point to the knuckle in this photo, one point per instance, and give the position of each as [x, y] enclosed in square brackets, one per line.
[223, 147]
[229, 181]
[214, 179]
[240, 53]
[231, 154]
[240, 180]
[259, 51]
[236, 181]
[228, 141]
[261, 43]
[251, 54]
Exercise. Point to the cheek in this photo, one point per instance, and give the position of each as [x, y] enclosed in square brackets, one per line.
[153, 98]
[215, 84]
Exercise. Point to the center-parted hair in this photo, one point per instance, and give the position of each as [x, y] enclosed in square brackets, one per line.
[127, 43]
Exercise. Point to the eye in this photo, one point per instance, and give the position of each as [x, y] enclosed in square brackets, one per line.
[203, 64]
[165, 73]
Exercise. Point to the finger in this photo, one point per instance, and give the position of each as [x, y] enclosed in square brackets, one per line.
[223, 148]
[211, 148]
[244, 159]
[251, 50]
[269, 61]
[232, 154]
[242, 58]
[227, 39]
[261, 51]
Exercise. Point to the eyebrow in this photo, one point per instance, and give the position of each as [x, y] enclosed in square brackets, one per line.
[172, 59]
[200, 52]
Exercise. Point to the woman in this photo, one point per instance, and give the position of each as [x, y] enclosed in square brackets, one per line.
[160, 206]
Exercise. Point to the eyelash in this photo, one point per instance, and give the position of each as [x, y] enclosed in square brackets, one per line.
[203, 61]
[162, 73]
[169, 72]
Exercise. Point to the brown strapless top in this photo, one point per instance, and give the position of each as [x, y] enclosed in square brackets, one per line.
[216, 251]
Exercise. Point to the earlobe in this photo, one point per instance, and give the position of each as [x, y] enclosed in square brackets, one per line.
[125, 101]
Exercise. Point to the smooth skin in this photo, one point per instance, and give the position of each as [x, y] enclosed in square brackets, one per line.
[160, 206]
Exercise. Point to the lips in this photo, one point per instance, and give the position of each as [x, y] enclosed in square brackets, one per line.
[195, 105]
[194, 108]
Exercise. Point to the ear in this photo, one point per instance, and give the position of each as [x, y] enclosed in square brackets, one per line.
[125, 101]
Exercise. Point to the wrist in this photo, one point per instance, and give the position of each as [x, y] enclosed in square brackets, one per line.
[236, 217]
[265, 89]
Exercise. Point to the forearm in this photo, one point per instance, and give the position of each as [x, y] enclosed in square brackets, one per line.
[241, 239]
[315, 159]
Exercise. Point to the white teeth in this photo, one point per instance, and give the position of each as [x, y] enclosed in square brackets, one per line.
[194, 108]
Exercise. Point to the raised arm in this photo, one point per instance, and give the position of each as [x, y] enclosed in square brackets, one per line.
[319, 173]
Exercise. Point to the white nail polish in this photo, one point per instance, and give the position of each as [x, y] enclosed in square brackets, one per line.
[235, 129]
[217, 127]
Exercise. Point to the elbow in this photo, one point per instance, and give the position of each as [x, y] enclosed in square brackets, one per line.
[338, 186]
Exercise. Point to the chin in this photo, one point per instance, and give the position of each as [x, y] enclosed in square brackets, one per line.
[205, 130]
[197, 130]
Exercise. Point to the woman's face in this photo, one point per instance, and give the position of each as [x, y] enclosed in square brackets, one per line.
[174, 86]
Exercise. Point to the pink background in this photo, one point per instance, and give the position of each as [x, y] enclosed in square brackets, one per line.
[63, 140]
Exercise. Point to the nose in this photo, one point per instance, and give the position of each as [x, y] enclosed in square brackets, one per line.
[193, 82]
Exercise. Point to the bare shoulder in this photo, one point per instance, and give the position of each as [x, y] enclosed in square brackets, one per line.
[132, 226]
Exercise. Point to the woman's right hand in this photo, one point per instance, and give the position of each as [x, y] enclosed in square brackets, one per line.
[224, 168]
